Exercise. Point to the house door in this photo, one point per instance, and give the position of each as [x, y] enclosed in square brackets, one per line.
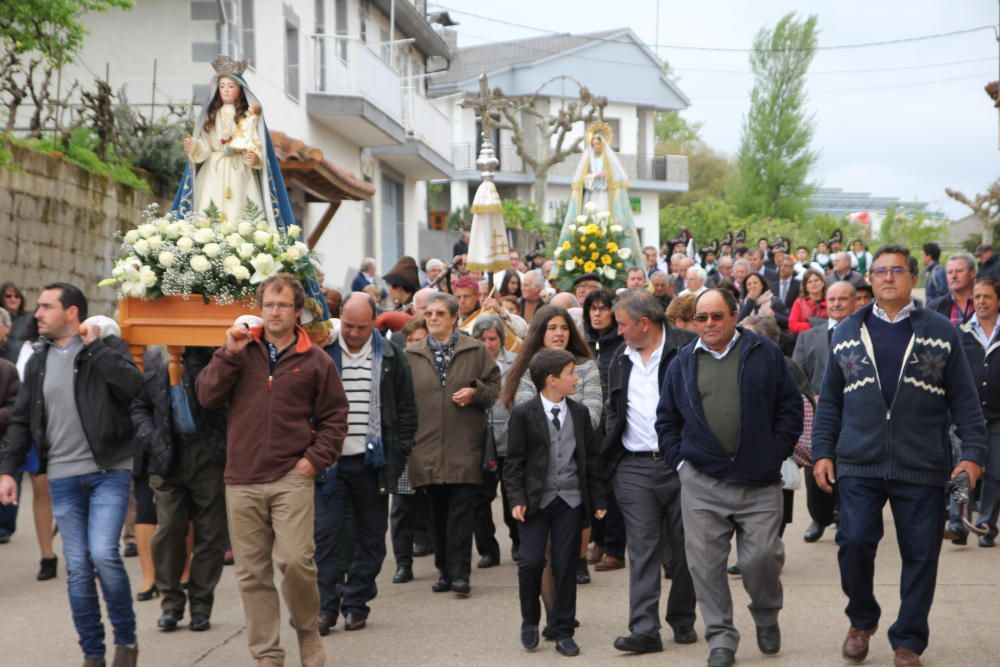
[392, 221]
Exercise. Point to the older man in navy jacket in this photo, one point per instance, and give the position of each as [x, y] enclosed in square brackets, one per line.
[730, 467]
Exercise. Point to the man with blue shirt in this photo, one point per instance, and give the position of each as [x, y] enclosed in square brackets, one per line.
[895, 381]
[729, 413]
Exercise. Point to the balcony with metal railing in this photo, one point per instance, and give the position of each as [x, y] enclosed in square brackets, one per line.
[354, 92]
[658, 172]
[357, 94]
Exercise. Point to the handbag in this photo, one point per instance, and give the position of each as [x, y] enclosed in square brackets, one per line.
[490, 463]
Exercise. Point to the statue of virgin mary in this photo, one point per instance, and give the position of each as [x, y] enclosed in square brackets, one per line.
[231, 161]
[600, 179]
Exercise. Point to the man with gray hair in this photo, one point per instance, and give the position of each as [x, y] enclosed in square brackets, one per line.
[842, 271]
[366, 276]
[679, 264]
[646, 487]
[433, 269]
[695, 281]
[956, 305]
[531, 291]
[723, 271]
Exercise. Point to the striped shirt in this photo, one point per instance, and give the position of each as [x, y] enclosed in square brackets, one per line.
[357, 379]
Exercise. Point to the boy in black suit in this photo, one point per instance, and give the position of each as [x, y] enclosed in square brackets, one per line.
[553, 488]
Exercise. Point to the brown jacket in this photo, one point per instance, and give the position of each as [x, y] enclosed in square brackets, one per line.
[449, 443]
[300, 411]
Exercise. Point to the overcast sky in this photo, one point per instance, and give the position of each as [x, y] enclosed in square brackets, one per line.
[915, 122]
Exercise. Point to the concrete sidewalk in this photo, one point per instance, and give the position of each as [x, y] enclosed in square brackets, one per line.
[410, 625]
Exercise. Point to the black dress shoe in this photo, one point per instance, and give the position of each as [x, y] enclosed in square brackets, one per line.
[515, 553]
[442, 585]
[354, 621]
[48, 568]
[148, 594]
[404, 573]
[987, 541]
[199, 622]
[582, 572]
[813, 532]
[721, 657]
[325, 623]
[168, 621]
[639, 644]
[529, 637]
[488, 561]
[685, 634]
[421, 550]
[769, 639]
[461, 588]
[568, 647]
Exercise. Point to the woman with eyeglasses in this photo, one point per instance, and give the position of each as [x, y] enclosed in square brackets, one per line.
[810, 304]
[20, 321]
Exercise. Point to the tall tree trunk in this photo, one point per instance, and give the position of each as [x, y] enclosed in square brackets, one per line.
[538, 191]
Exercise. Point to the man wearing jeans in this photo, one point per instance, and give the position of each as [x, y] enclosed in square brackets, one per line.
[287, 421]
[88, 461]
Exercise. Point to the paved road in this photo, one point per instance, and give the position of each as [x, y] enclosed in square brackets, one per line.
[409, 625]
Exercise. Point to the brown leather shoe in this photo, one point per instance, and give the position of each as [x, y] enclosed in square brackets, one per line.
[906, 658]
[311, 649]
[126, 656]
[609, 563]
[856, 644]
[594, 553]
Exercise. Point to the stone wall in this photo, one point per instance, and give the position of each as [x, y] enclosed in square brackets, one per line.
[60, 222]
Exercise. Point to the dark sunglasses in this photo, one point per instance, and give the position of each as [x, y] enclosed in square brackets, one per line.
[703, 317]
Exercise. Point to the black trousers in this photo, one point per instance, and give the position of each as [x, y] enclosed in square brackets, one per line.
[453, 517]
[486, 530]
[821, 505]
[609, 532]
[410, 522]
[562, 523]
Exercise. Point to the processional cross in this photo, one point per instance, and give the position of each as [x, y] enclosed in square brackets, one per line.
[484, 106]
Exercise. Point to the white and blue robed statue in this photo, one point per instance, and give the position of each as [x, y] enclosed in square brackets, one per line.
[600, 179]
[231, 164]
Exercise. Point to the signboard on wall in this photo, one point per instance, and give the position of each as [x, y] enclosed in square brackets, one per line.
[635, 203]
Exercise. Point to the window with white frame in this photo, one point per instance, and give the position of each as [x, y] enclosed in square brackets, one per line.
[291, 58]
[248, 43]
[340, 27]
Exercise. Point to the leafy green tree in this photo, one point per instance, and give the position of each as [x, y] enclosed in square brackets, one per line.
[774, 158]
[50, 28]
[911, 231]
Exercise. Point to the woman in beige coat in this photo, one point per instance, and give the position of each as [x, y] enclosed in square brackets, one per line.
[455, 380]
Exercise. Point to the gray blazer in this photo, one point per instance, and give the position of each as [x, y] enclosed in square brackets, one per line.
[812, 349]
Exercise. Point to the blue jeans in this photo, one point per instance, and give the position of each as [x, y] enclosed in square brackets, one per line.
[90, 511]
[358, 484]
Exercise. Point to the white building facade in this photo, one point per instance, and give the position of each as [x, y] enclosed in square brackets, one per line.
[614, 64]
[345, 76]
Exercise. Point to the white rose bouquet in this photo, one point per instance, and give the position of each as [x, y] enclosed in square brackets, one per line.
[201, 254]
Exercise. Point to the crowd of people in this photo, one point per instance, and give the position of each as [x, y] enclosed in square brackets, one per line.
[646, 427]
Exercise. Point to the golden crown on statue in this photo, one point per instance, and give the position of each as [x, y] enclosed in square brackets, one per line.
[225, 65]
[600, 129]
